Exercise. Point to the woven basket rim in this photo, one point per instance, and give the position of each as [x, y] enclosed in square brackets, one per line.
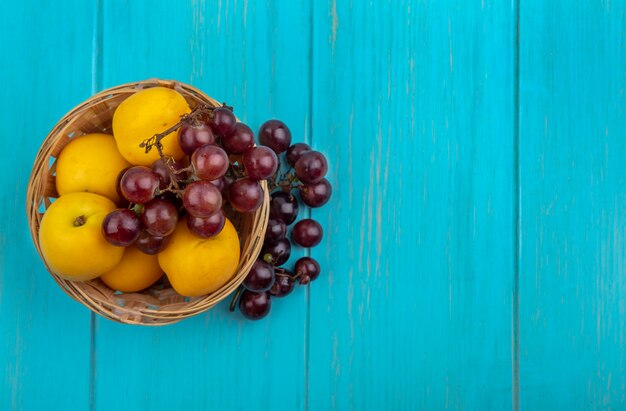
[94, 294]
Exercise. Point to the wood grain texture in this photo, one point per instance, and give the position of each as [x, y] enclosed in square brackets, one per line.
[573, 179]
[44, 335]
[413, 103]
[254, 56]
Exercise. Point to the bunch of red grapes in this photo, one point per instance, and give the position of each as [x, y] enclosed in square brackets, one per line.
[224, 165]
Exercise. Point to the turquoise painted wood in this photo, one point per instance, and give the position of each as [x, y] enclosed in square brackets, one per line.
[573, 206]
[474, 247]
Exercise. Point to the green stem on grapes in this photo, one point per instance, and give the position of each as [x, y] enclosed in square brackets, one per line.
[236, 296]
[80, 220]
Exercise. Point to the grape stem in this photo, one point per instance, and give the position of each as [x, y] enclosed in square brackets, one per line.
[236, 296]
[281, 272]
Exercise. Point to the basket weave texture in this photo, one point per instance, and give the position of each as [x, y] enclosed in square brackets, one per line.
[159, 304]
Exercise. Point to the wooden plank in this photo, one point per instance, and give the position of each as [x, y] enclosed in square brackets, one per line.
[414, 106]
[46, 67]
[253, 55]
[573, 175]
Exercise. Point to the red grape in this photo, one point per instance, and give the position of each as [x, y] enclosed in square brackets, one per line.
[159, 217]
[307, 233]
[139, 184]
[276, 252]
[206, 227]
[276, 135]
[284, 206]
[121, 227]
[276, 229]
[254, 306]
[194, 136]
[220, 183]
[123, 203]
[260, 278]
[240, 141]
[245, 195]
[223, 121]
[307, 269]
[295, 151]
[260, 163]
[202, 199]
[209, 162]
[283, 285]
[311, 167]
[150, 244]
[316, 194]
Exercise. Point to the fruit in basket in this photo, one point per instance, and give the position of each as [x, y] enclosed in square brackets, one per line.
[90, 163]
[196, 266]
[144, 114]
[71, 240]
[136, 271]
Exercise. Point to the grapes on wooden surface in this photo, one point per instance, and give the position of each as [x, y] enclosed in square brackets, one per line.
[307, 269]
[276, 135]
[276, 252]
[316, 194]
[260, 278]
[284, 207]
[254, 306]
[260, 163]
[307, 233]
[139, 184]
[283, 285]
[295, 151]
[276, 229]
[121, 227]
[311, 167]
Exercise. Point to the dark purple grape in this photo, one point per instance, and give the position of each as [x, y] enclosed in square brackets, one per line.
[121, 227]
[254, 306]
[194, 136]
[283, 285]
[139, 184]
[276, 135]
[284, 206]
[150, 244]
[206, 227]
[260, 278]
[209, 162]
[245, 195]
[202, 199]
[220, 183]
[316, 194]
[307, 269]
[276, 229]
[240, 141]
[223, 121]
[295, 151]
[159, 217]
[311, 167]
[307, 233]
[163, 172]
[276, 252]
[260, 163]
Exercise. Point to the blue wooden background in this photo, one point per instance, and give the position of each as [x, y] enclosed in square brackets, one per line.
[474, 255]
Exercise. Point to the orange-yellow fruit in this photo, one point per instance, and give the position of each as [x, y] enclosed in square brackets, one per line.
[135, 272]
[197, 266]
[71, 240]
[144, 114]
[90, 163]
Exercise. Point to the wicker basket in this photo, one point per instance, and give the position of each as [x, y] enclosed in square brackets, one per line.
[159, 304]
